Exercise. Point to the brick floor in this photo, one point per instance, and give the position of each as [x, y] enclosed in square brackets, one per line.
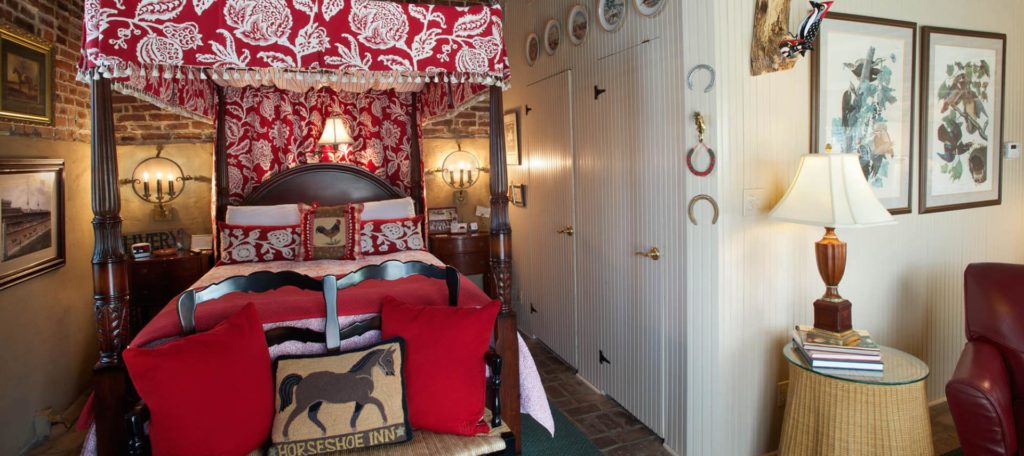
[615, 432]
[610, 427]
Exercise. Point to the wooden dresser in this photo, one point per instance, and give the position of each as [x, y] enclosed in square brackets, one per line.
[154, 281]
[469, 253]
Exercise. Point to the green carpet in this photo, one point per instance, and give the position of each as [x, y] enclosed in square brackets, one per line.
[568, 440]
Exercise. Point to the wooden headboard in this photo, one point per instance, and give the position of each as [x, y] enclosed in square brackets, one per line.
[329, 184]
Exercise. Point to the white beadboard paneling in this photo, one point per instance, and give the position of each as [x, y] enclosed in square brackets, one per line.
[905, 281]
[611, 200]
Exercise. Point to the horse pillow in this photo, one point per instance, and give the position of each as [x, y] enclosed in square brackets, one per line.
[337, 402]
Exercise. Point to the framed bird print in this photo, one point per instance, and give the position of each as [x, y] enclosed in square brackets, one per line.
[862, 92]
[962, 123]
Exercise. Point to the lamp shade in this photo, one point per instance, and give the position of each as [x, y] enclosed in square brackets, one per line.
[335, 133]
[830, 190]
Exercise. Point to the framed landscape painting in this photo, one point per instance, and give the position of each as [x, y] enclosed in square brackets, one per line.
[862, 98]
[962, 123]
[31, 219]
[26, 67]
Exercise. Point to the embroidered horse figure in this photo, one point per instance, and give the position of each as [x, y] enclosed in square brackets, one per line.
[356, 385]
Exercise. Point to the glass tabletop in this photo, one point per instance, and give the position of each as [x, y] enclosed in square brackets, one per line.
[900, 368]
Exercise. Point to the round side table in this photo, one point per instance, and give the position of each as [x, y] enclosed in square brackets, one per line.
[839, 413]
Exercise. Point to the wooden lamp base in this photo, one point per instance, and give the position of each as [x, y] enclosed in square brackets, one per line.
[832, 312]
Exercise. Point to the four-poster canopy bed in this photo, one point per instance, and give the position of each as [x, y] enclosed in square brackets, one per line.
[268, 73]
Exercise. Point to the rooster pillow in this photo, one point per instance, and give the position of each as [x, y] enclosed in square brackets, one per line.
[328, 232]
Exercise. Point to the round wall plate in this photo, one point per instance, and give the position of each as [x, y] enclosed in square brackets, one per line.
[611, 14]
[578, 24]
[532, 49]
[552, 36]
[649, 7]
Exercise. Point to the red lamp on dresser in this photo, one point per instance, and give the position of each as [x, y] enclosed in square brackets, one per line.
[830, 191]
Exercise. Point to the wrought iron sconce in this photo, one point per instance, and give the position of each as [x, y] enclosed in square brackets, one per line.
[166, 171]
[460, 171]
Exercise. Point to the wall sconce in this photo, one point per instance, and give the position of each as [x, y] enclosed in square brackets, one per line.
[335, 134]
[460, 171]
[168, 185]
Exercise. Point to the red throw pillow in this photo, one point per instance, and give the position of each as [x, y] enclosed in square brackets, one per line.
[444, 370]
[257, 244]
[380, 237]
[210, 393]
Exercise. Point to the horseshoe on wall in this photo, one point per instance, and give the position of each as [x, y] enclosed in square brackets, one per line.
[709, 199]
[703, 66]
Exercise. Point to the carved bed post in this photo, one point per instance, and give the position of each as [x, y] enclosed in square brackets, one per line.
[416, 159]
[501, 266]
[220, 170]
[110, 278]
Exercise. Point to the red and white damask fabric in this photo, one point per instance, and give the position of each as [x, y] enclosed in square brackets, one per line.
[270, 130]
[188, 95]
[380, 237]
[258, 244]
[351, 36]
[439, 101]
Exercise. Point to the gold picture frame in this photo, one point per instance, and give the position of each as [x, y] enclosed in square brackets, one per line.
[26, 76]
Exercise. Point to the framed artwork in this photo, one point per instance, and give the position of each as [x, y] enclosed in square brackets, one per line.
[552, 36]
[649, 7]
[578, 24]
[440, 220]
[962, 123]
[611, 14]
[513, 151]
[517, 195]
[26, 64]
[532, 49]
[862, 100]
[31, 219]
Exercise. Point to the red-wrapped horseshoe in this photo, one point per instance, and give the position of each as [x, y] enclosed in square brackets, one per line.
[711, 165]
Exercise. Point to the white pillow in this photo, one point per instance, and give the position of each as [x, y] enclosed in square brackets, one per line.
[282, 215]
[388, 209]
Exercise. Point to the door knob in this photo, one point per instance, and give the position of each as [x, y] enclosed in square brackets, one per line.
[653, 254]
[569, 230]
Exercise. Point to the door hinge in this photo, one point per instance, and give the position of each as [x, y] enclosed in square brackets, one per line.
[532, 309]
[601, 358]
[598, 92]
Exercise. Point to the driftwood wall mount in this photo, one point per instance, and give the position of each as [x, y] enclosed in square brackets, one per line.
[771, 27]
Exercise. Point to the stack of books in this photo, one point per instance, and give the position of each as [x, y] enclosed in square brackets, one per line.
[852, 353]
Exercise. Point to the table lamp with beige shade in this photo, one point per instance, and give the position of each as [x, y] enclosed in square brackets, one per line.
[830, 191]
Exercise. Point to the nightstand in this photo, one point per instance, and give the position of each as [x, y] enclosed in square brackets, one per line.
[469, 253]
[154, 281]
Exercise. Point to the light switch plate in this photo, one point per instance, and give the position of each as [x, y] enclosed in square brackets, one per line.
[755, 202]
[1011, 150]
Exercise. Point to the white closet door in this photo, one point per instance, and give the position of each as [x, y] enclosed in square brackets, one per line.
[550, 204]
[620, 172]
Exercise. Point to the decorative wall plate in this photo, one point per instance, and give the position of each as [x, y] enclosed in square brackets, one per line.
[649, 7]
[552, 36]
[532, 49]
[578, 24]
[611, 14]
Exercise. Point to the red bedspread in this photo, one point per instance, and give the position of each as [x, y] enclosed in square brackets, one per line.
[291, 304]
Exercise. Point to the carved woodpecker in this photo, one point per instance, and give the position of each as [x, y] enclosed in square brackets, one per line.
[803, 40]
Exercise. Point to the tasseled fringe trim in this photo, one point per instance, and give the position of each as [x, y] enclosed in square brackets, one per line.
[268, 75]
[156, 101]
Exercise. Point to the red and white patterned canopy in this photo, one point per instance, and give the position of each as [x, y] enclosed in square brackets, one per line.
[339, 40]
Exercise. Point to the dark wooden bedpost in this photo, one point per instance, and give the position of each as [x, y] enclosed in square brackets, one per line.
[416, 160]
[110, 279]
[220, 170]
[501, 266]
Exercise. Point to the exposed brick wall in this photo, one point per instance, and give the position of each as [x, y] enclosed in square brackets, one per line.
[138, 122]
[471, 123]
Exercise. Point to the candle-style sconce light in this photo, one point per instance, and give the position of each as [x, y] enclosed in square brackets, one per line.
[158, 181]
[460, 171]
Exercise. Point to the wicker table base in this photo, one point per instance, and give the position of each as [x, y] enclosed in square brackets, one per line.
[830, 416]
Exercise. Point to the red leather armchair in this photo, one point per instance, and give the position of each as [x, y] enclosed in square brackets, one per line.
[986, 393]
